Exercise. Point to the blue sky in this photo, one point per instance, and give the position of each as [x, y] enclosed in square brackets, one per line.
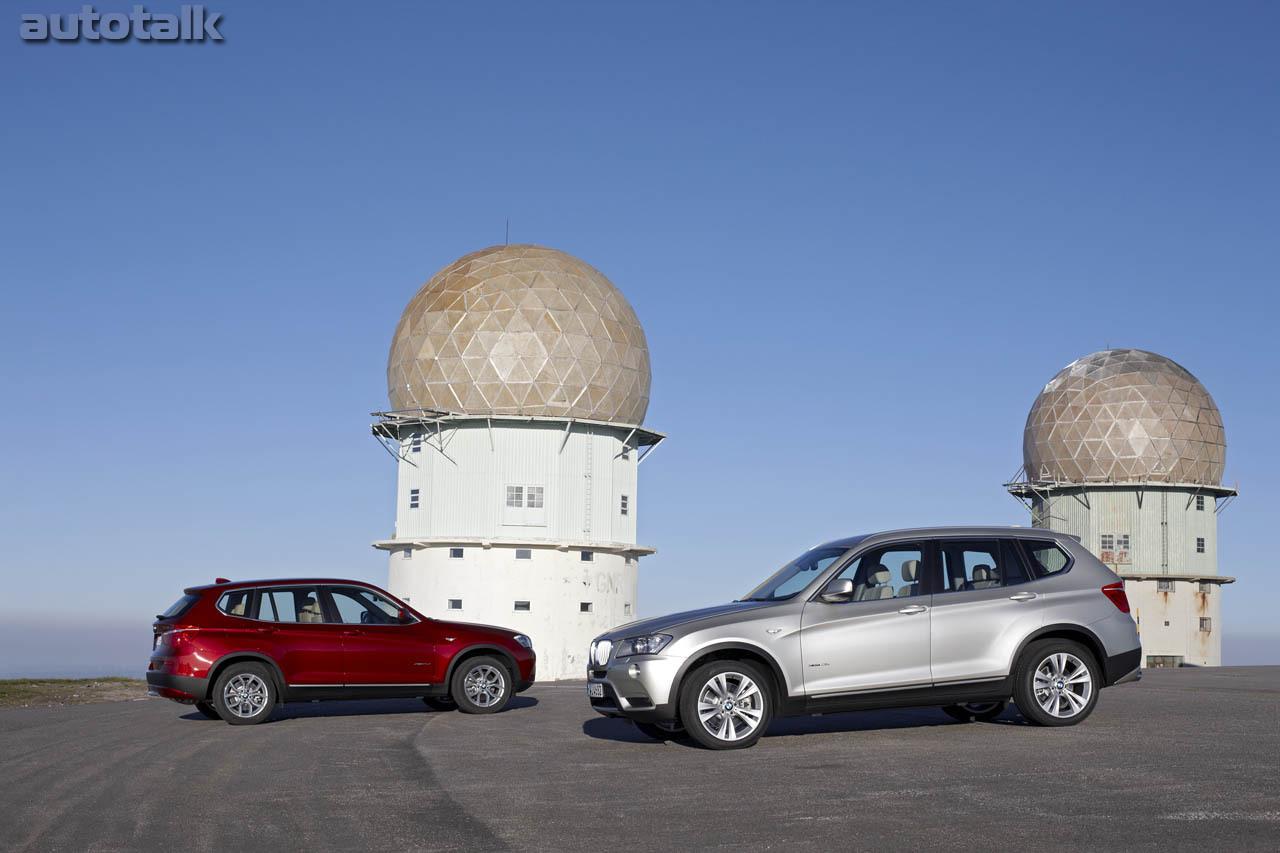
[860, 238]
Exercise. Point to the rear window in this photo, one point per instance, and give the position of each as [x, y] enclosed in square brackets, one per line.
[182, 605]
[1047, 558]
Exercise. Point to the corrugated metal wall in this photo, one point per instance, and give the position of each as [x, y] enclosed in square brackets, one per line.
[463, 473]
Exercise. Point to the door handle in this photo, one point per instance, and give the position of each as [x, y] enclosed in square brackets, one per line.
[915, 608]
[266, 630]
[350, 633]
[1022, 596]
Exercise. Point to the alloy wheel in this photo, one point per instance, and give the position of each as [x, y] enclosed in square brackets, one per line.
[1062, 685]
[245, 695]
[485, 685]
[730, 706]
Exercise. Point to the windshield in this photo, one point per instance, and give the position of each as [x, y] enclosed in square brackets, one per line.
[797, 574]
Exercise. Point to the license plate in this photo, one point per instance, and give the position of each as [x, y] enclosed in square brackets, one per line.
[595, 691]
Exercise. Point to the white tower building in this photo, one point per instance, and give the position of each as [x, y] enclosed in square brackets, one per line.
[519, 379]
[1125, 450]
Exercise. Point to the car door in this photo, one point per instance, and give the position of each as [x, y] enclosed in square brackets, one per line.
[982, 609]
[293, 632]
[879, 637]
[378, 650]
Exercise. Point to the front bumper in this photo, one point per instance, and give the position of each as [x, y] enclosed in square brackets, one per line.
[183, 688]
[639, 687]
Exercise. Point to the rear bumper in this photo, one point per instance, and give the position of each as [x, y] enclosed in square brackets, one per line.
[1124, 667]
[183, 688]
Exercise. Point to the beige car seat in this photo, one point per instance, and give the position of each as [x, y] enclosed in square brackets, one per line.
[310, 611]
[909, 570]
[877, 585]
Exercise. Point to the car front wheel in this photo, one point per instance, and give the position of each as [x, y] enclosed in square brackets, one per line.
[481, 685]
[1056, 683]
[726, 704]
[244, 694]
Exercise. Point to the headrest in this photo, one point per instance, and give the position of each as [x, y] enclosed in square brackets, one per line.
[880, 575]
[909, 570]
[238, 610]
[981, 572]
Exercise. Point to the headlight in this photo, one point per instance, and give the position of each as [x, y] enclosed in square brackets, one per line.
[649, 644]
[523, 640]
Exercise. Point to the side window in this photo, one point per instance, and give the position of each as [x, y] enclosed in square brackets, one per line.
[1047, 558]
[357, 606]
[236, 602]
[294, 604]
[980, 564]
[889, 572]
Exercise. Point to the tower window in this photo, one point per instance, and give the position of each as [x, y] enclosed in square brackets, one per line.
[1164, 586]
[533, 497]
[524, 553]
[455, 604]
[584, 607]
[1206, 624]
[1199, 544]
[522, 606]
[588, 556]
[415, 444]
[406, 554]
[1108, 542]
[1122, 541]
[626, 451]
[413, 498]
[455, 553]
[626, 609]
[1200, 502]
[624, 504]
[515, 496]
[1205, 587]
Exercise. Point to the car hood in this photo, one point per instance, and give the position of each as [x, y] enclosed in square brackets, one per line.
[658, 624]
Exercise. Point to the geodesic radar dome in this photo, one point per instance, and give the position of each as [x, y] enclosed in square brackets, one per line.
[520, 330]
[1124, 415]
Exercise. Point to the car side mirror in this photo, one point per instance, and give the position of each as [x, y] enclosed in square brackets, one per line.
[840, 589]
[404, 618]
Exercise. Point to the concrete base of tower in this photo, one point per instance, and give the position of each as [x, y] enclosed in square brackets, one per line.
[1179, 619]
[561, 598]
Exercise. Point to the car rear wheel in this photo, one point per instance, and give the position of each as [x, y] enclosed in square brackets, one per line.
[244, 694]
[726, 704]
[440, 703]
[1056, 683]
[207, 709]
[481, 685]
[975, 711]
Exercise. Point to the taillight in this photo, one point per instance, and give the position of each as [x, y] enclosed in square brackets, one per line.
[1115, 592]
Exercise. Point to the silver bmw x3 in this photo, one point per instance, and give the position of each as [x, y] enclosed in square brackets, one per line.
[962, 617]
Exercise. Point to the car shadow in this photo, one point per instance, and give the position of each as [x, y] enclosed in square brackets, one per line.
[359, 708]
[617, 729]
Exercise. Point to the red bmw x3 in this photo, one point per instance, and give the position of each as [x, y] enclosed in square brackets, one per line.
[237, 650]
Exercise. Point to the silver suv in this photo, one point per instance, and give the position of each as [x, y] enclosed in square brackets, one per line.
[962, 617]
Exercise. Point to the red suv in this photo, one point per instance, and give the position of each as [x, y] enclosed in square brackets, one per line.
[236, 650]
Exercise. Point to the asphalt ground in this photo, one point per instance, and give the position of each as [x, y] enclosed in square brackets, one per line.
[1185, 759]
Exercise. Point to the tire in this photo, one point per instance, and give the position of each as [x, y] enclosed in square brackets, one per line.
[713, 709]
[245, 694]
[662, 731]
[208, 710]
[481, 685]
[980, 712]
[440, 703]
[1056, 683]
